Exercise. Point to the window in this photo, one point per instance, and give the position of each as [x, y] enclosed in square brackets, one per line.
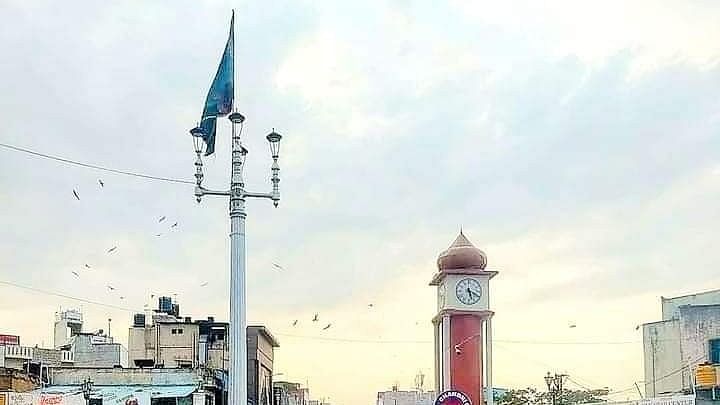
[174, 331]
[714, 346]
[180, 331]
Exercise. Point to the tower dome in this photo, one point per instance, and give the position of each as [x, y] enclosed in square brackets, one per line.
[462, 254]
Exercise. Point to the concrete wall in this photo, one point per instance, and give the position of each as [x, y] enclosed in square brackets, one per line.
[169, 344]
[48, 357]
[179, 347]
[662, 357]
[698, 324]
[670, 306]
[126, 376]
[218, 358]
[141, 344]
[88, 354]
[406, 398]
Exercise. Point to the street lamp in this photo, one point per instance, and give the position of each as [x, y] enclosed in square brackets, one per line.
[87, 387]
[237, 379]
[555, 386]
[458, 347]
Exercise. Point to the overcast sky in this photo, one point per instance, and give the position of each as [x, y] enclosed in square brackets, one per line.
[577, 144]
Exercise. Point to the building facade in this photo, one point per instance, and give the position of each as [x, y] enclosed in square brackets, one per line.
[172, 341]
[399, 397]
[687, 336]
[34, 361]
[288, 393]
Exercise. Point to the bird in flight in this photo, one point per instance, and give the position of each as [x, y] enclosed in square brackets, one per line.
[316, 318]
[101, 183]
[122, 298]
[277, 266]
[76, 274]
[174, 225]
[295, 323]
[158, 234]
[327, 327]
[75, 193]
[162, 218]
[204, 284]
[87, 266]
[112, 249]
[370, 305]
[572, 326]
[111, 288]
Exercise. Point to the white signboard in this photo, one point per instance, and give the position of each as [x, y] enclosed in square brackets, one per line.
[676, 400]
[20, 398]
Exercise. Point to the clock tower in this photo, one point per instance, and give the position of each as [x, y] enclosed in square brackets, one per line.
[463, 329]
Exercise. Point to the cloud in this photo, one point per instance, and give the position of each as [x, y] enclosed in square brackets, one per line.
[591, 187]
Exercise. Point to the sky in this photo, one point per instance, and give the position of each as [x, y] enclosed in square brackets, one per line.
[576, 143]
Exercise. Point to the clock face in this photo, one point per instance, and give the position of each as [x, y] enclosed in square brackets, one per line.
[468, 291]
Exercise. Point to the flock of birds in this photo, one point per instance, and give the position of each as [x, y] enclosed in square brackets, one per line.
[113, 249]
[316, 319]
[162, 219]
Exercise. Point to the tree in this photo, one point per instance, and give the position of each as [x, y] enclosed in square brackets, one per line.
[530, 396]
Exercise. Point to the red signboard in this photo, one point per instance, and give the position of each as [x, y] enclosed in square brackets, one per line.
[9, 340]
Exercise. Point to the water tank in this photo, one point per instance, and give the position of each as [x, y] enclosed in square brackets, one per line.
[705, 376]
[139, 320]
[165, 305]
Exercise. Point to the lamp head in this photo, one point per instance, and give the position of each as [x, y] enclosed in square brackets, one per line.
[549, 380]
[198, 135]
[274, 140]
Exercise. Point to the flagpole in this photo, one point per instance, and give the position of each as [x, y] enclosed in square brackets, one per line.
[237, 369]
[237, 389]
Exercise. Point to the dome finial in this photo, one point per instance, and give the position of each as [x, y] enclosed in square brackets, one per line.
[462, 254]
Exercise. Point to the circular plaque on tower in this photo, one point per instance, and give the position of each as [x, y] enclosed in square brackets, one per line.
[453, 397]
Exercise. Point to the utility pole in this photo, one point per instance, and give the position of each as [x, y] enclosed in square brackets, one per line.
[653, 345]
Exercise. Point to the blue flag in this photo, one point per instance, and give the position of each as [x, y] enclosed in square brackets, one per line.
[219, 100]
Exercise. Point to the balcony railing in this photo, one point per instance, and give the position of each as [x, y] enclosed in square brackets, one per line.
[67, 356]
[18, 352]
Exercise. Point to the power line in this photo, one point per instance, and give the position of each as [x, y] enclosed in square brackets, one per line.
[568, 343]
[92, 166]
[533, 342]
[70, 297]
[347, 340]
[670, 374]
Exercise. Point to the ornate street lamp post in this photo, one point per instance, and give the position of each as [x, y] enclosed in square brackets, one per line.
[237, 381]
